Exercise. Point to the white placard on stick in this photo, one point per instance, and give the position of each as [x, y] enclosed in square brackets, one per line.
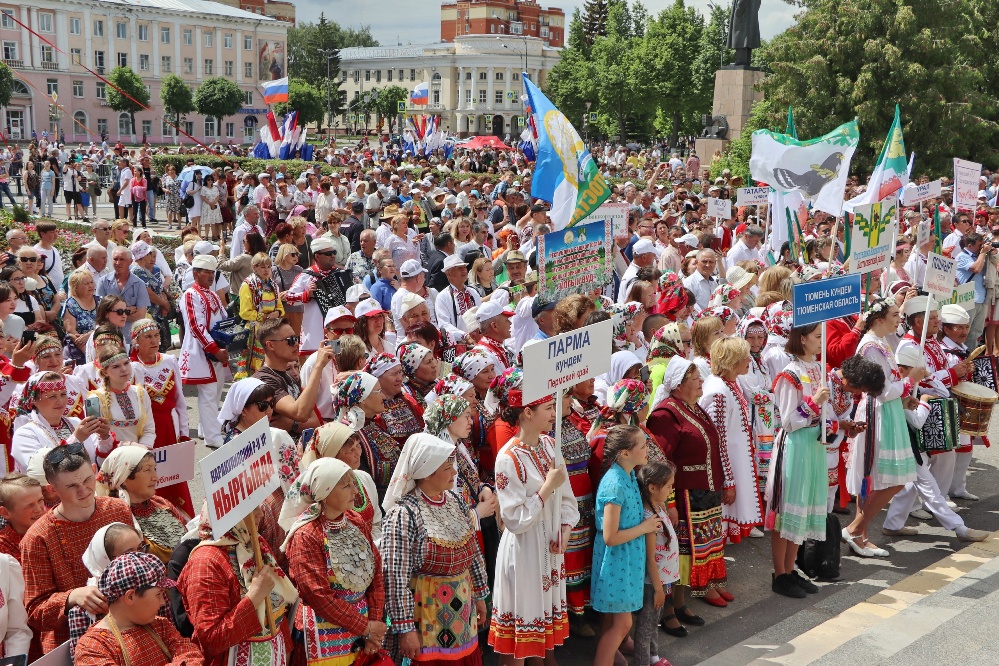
[752, 196]
[175, 463]
[239, 476]
[913, 193]
[967, 182]
[617, 213]
[923, 233]
[939, 280]
[567, 359]
[720, 208]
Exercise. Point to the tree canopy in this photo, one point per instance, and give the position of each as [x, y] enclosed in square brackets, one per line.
[128, 94]
[6, 84]
[218, 97]
[177, 97]
[304, 98]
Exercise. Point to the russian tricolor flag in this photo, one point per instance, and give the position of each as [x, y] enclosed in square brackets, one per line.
[420, 94]
[276, 91]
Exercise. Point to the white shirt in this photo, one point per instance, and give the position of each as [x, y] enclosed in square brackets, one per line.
[916, 268]
[740, 252]
[446, 307]
[52, 263]
[627, 279]
[953, 240]
[700, 287]
[239, 233]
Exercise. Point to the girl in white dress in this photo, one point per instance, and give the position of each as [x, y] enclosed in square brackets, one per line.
[757, 385]
[125, 405]
[211, 208]
[538, 510]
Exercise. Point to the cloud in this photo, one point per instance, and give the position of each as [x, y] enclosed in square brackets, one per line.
[419, 23]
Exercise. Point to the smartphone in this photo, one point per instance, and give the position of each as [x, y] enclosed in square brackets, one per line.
[334, 344]
[92, 406]
[27, 336]
[307, 436]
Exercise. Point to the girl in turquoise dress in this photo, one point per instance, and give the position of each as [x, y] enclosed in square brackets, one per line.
[619, 548]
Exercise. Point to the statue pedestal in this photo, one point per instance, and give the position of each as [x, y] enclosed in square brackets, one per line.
[734, 98]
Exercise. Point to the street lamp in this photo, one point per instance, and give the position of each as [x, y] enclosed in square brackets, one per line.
[586, 123]
[523, 53]
[329, 55]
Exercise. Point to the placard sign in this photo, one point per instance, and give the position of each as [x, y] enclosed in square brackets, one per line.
[872, 236]
[822, 300]
[752, 196]
[239, 476]
[923, 233]
[617, 213]
[720, 208]
[567, 359]
[967, 182]
[175, 463]
[58, 657]
[964, 295]
[575, 260]
[913, 194]
[940, 273]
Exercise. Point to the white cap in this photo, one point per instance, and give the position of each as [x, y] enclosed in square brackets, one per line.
[918, 305]
[690, 240]
[368, 308]
[954, 314]
[453, 261]
[205, 247]
[644, 246]
[411, 268]
[410, 301]
[910, 356]
[471, 323]
[450, 199]
[357, 293]
[205, 261]
[339, 312]
[488, 310]
[321, 245]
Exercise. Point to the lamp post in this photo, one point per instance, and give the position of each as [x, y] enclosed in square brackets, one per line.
[329, 54]
[586, 123]
[523, 53]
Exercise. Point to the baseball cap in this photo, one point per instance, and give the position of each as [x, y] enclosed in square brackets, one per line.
[540, 306]
[515, 255]
[471, 323]
[690, 240]
[488, 310]
[206, 262]
[368, 308]
[411, 268]
[263, 174]
[204, 247]
[339, 312]
[357, 293]
[132, 571]
[643, 246]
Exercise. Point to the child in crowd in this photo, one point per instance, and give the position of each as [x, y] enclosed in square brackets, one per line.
[662, 561]
[21, 504]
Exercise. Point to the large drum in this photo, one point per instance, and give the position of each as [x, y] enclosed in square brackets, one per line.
[976, 407]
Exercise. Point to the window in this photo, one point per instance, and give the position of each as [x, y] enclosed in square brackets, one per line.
[189, 127]
[74, 26]
[188, 38]
[99, 29]
[76, 56]
[48, 53]
[516, 28]
[357, 75]
[544, 31]
[227, 40]
[166, 64]
[143, 33]
[228, 67]
[209, 66]
[189, 65]
[378, 76]
[102, 90]
[230, 130]
[492, 28]
[468, 97]
[125, 124]
[77, 88]
[121, 30]
[412, 75]
[52, 85]
[10, 50]
[482, 97]
[499, 97]
[123, 60]
[45, 22]
[248, 97]
[248, 70]
[402, 74]
[144, 62]
[102, 126]
[247, 43]
[99, 60]
[147, 127]
[483, 76]
[367, 75]
[516, 76]
[167, 129]
[81, 119]
[437, 98]
[7, 19]
[343, 77]
[499, 76]
[209, 39]
[468, 76]
[209, 127]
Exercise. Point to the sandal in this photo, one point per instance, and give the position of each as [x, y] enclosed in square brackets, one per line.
[678, 632]
[686, 617]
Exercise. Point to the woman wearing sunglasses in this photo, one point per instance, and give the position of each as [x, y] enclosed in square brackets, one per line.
[27, 307]
[112, 312]
[50, 298]
[284, 273]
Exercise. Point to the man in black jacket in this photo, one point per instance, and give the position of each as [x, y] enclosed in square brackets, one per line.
[353, 226]
[443, 248]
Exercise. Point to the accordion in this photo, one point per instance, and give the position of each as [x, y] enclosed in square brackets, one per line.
[331, 289]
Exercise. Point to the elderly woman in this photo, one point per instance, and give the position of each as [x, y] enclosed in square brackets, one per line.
[628, 319]
[402, 248]
[45, 291]
[144, 267]
[627, 404]
[283, 274]
[671, 340]
[420, 367]
[129, 473]
[435, 580]
[488, 435]
[730, 411]
[241, 267]
[224, 594]
[624, 365]
[335, 565]
[301, 240]
[48, 358]
[358, 400]
[79, 313]
[258, 301]
[126, 406]
[337, 440]
[687, 436]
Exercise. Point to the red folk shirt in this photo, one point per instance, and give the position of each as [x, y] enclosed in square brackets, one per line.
[842, 339]
[99, 647]
[55, 548]
[10, 542]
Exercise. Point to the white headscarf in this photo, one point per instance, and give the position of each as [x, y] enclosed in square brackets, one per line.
[302, 504]
[422, 455]
[621, 363]
[326, 442]
[676, 370]
[236, 399]
[96, 557]
[117, 468]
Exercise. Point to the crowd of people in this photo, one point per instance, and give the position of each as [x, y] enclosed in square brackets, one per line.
[375, 315]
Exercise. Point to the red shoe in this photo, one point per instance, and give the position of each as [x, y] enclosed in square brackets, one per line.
[717, 601]
[724, 594]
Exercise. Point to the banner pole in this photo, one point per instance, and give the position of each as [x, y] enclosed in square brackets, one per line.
[559, 462]
[825, 384]
[258, 559]
[926, 323]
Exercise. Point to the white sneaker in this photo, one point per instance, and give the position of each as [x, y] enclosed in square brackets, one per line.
[921, 514]
[951, 504]
[755, 533]
[966, 496]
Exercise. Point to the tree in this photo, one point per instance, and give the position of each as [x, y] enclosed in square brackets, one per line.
[6, 84]
[595, 20]
[306, 99]
[217, 98]
[177, 98]
[387, 103]
[127, 94]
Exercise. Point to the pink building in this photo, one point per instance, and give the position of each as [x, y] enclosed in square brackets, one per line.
[191, 38]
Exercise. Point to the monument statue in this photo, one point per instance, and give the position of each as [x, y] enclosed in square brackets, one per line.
[744, 31]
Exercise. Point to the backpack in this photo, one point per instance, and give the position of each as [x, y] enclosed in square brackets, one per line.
[139, 192]
[820, 559]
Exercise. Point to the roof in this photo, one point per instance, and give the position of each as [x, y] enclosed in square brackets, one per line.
[369, 52]
[194, 7]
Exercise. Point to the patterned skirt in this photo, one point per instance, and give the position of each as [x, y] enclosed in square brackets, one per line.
[579, 551]
[327, 643]
[764, 452]
[252, 358]
[445, 617]
[804, 469]
[701, 540]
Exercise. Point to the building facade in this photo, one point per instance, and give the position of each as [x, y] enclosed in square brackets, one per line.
[276, 9]
[475, 84]
[502, 17]
[195, 39]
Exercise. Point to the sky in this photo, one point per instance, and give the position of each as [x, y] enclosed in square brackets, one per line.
[420, 22]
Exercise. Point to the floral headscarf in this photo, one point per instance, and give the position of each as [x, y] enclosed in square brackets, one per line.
[411, 355]
[118, 466]
[34, 388]
[778, 320]
[381, 363]
[499, 389]
[723, 312]
[349, 393]
[724, 294]
[442, 412]
[303, 503]
[666, 343]
[623, 313]
[452, 384]
[672, 295]
[471, 363]
[628, 396]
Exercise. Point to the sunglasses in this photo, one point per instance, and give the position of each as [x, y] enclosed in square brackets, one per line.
[60, 453]
[293, 254]
[324, 253]
[264, 405]
[120, 311]
[28, 259]
[292, 340]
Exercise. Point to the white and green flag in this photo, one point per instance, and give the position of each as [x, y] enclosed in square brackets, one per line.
[891, 173]
[817, 168]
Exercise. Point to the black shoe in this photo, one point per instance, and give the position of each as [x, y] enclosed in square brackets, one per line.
[785, 585]
[678, 632]
[687, 617]
[804, 582]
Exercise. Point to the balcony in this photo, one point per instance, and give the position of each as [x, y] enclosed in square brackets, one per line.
[49, 66]
[14, 64]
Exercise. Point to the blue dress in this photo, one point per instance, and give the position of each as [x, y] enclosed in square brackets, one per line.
[618, 571]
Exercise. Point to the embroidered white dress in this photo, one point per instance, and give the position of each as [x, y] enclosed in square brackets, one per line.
[130, 414]
[757, 385]
[729, 410]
